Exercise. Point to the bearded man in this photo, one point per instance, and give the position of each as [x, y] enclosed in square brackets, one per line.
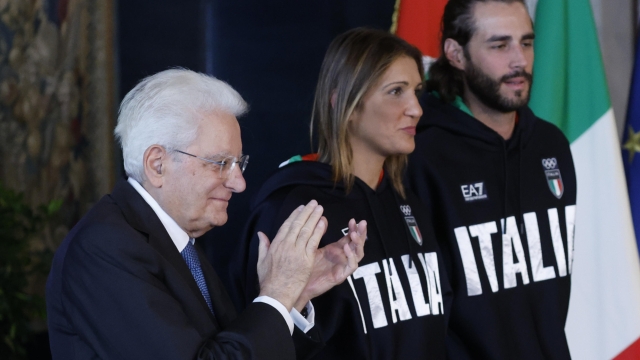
[500, 184]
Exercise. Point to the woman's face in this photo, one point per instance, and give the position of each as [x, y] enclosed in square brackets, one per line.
[385, 123]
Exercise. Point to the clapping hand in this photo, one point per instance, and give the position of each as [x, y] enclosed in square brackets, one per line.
[335, 262]
[285, 264]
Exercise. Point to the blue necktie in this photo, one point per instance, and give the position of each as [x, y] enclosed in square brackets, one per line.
[190, 256]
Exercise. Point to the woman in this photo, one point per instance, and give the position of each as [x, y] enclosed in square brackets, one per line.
[365, 114]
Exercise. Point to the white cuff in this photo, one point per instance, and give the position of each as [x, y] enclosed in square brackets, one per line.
[278, 306]
[302, 323]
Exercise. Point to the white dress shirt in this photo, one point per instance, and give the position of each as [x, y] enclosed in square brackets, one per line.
[180, 239]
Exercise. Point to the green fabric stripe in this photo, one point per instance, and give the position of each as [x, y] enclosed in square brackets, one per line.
[569, 87]
[457, 103]
[462, 106]
[294, 159]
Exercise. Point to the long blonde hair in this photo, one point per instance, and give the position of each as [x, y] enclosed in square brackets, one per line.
[353, 64]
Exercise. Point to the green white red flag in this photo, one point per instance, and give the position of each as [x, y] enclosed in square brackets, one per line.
[570, 90]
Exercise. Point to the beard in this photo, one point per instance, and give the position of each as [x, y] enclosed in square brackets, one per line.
[487, 89]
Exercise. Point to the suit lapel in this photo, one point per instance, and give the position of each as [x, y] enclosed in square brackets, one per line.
[142, 217]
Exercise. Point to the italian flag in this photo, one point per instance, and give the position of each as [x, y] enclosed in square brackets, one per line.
[556, 185]
[570, 90]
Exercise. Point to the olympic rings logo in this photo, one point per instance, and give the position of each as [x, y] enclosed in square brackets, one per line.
[550, 163]
[406, 210]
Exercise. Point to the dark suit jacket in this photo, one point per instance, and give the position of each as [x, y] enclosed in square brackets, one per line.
[119, 289]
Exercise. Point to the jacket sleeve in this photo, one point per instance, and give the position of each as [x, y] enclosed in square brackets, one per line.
[122, 299]
[250, 334]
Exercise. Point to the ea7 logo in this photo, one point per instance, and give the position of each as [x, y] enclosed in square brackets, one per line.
[473, 192]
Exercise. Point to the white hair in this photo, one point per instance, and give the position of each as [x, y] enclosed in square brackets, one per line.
[163, 109]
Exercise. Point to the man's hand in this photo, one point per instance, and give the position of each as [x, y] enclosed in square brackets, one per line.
[284, 265]
[335, 262]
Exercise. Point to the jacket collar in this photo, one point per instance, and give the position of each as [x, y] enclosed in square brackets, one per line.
[455, 119]
[141, 217]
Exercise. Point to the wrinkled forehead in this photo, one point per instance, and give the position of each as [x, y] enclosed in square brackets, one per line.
[218, 134]
[501, 19]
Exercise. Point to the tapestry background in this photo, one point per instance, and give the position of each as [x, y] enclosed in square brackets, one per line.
[57, 104]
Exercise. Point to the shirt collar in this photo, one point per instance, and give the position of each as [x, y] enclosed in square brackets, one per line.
[179, 236]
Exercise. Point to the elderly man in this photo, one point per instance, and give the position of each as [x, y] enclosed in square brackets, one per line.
[128, 282]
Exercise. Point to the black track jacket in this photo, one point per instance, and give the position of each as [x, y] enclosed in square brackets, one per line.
[511, 283]
[396, 303]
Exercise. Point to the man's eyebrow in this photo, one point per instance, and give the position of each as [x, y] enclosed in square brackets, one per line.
[529, 36]
[499, 38]
[219, 155]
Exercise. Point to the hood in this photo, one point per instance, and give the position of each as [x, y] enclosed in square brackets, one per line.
[296, 173]
[457, 119]
[306, 170]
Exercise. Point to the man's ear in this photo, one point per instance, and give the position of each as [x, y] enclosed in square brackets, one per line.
[154, 159]
[455, 54]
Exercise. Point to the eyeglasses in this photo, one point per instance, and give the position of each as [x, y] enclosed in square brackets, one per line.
[226, 165]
